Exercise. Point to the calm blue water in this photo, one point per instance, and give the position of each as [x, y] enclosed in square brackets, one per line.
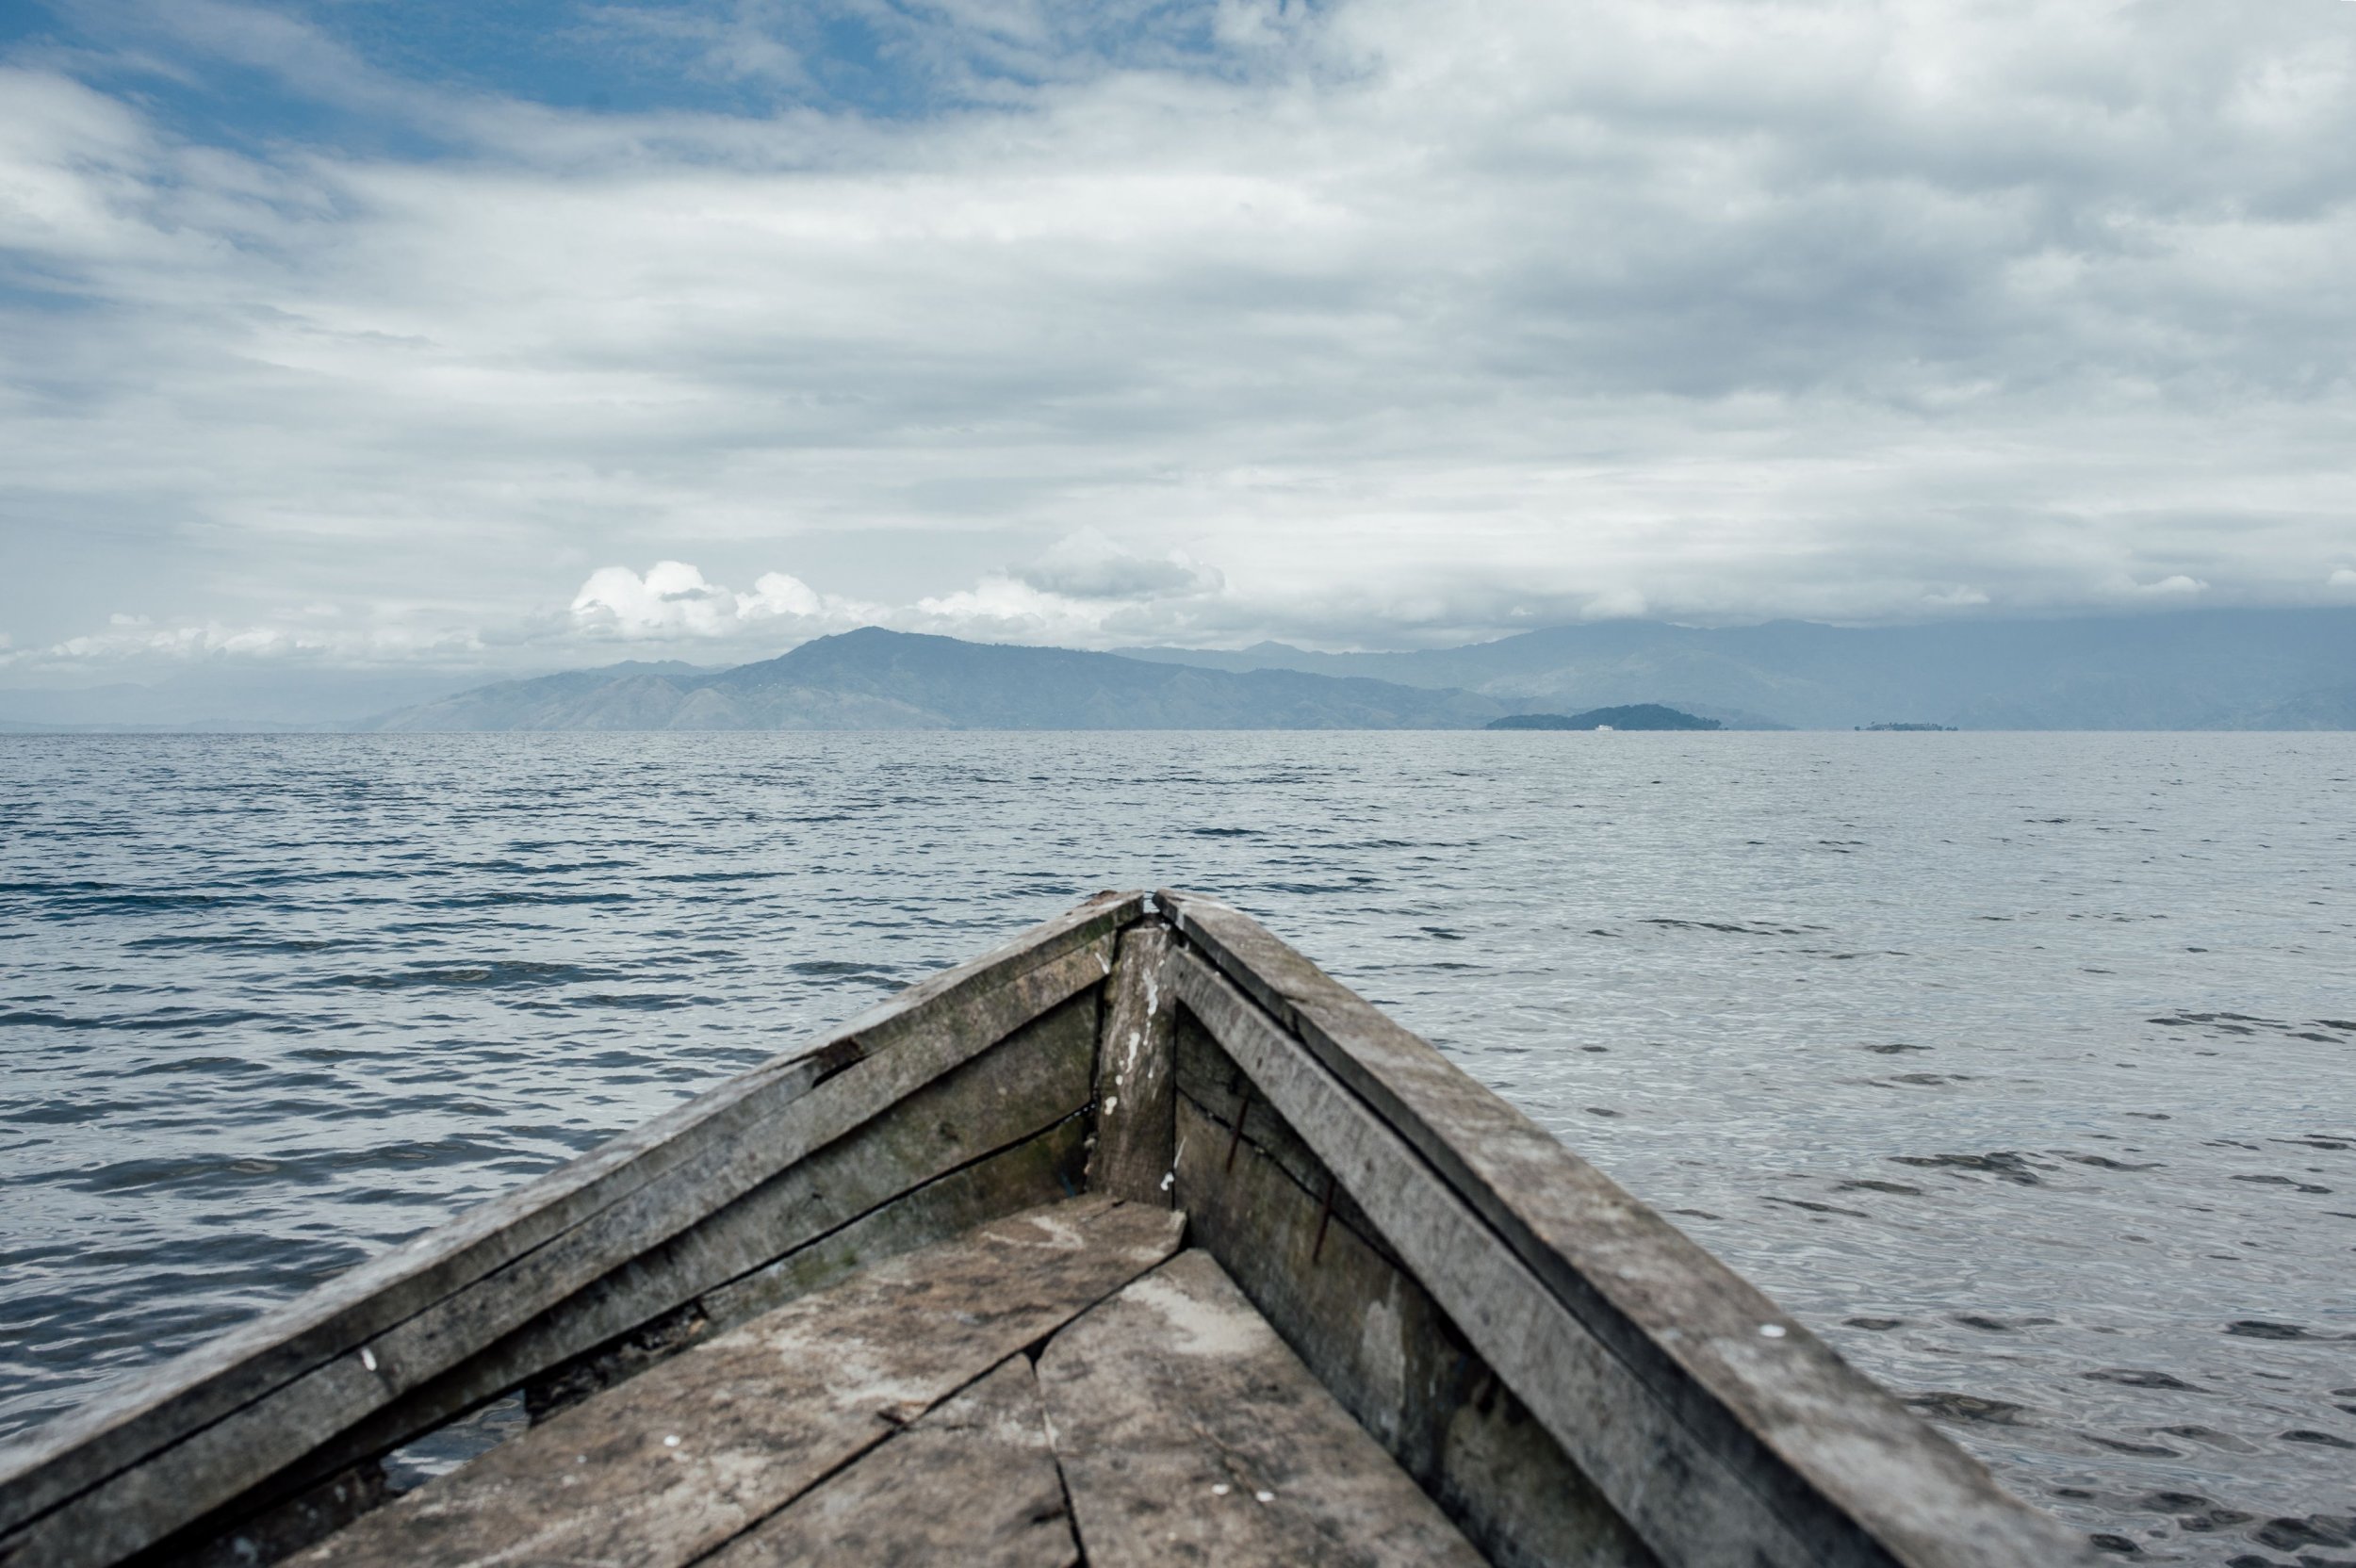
[2022, 1067]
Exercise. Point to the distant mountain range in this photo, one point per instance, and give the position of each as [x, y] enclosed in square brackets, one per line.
[2212, 669]
[2273, 669]
[878, 679]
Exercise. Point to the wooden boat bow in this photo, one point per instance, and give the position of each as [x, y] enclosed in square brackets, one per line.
[1456, 1337]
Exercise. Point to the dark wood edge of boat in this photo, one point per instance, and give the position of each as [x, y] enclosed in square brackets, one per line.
[1854, 1474]
[330, 1333]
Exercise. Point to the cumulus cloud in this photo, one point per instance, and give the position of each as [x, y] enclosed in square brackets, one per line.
[1423, 321]
[1084, 589]
[672, 601]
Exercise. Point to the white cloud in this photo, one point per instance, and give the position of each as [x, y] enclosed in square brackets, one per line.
[1421, 321]
[672, 601]
[2176, 586]
[1084, 589]
[2344, 578]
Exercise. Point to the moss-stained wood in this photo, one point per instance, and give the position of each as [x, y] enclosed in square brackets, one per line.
[1856, 1475]
[972, 1482]
[1189, 1433]
[849, 1202]
[691, 1453]
[1376, 1339]
[146, 1460]
[1133, 1082]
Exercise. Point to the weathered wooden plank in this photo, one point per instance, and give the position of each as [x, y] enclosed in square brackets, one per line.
[1026, 1083]
[1221, 1090]
[1688, 1506]
[456, 1327]
[146, 1414]
[1133, 1095]
[972, 1482]
[689, 1453]
[1820, 1445]
[1376, 1339]
[1035, 1081]
[1044, 1169]
[1189, 1433]
[120, 1426]
[169, 1489]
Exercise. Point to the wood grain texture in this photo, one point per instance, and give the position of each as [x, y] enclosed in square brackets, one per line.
[691, 1453]
[1133, 1158]
[148, 1459]
[1042, 1170]
[1382, 1346]
[1643, 1354]
[570, 1352]
[1035, 1078]
[1221, 1089]
[1189, 1433]
[972, 1483]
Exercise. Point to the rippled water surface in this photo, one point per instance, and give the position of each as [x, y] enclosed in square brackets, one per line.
[2023, 1068]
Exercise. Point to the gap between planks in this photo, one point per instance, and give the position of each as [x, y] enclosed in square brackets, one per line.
[687, 1456]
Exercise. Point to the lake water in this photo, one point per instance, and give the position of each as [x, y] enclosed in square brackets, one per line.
[2023, 1068]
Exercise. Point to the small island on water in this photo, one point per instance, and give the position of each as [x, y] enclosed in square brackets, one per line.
[1640, 715]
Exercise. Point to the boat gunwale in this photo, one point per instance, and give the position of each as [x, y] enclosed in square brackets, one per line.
[124, 1428]
[1820, 1444]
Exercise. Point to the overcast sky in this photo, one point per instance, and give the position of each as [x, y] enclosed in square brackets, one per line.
[520, 335]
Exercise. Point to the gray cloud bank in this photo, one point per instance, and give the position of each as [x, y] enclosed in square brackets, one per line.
[1382, 324]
